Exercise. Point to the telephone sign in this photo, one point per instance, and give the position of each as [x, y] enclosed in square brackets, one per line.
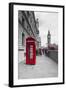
[30, 51]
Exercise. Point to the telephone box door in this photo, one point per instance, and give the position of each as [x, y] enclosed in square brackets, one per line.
[30, 51]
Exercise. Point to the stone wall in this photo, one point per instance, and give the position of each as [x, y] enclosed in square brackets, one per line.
[53, 54]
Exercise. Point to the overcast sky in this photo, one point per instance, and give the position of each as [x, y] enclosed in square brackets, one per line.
[48, 21]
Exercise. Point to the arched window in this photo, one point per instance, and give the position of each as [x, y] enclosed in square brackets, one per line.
[23, 21]
[23, 38]
[28, 14]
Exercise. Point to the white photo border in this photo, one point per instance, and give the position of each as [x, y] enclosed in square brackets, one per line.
[41, 81]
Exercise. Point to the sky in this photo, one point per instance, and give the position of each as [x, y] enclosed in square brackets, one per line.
[47, 21]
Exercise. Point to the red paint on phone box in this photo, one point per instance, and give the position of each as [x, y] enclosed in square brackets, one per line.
[30, 51]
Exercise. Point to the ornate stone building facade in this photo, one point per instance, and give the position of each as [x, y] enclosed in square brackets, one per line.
[27, 27]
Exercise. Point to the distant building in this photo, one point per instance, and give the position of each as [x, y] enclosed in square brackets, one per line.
[38, 37]
[53, 47]
[27, 27]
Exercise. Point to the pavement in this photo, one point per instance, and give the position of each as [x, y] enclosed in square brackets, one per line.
[44, 68]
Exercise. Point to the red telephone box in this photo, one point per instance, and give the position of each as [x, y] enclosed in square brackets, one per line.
[30, 51]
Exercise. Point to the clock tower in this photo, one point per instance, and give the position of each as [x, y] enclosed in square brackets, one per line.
[48, 38]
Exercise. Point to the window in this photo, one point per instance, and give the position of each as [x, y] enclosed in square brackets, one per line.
[28, 14]
[23, 37]
[23, 21]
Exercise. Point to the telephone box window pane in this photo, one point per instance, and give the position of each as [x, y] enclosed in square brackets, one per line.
[31, 52]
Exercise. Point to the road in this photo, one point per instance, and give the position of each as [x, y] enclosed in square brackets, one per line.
[45, 67]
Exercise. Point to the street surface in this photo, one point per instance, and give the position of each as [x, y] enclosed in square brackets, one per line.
[44, 68]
